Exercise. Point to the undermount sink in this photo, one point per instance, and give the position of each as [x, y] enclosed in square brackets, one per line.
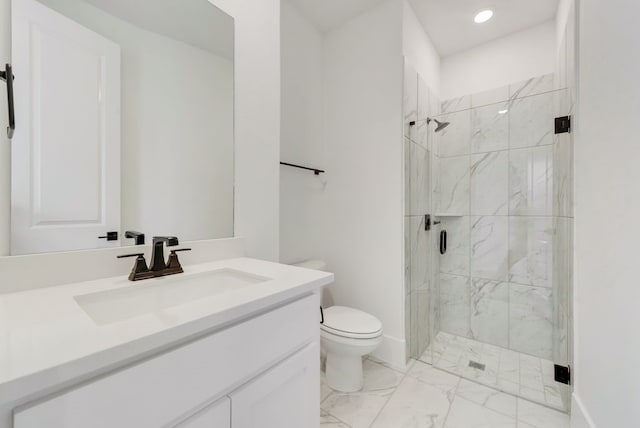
[154, 295]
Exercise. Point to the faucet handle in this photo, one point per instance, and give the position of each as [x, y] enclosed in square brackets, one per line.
[139, 267]
[179, 250]
[124, 256]
[174, 264]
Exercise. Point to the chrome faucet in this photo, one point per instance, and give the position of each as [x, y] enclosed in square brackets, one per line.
[159, 267]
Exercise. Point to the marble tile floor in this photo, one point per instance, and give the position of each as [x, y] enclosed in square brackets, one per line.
[421, 396]
[506, 370]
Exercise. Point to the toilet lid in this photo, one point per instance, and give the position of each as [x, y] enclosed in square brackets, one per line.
[349, 322]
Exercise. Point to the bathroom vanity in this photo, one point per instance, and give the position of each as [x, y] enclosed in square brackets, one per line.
[229, 343]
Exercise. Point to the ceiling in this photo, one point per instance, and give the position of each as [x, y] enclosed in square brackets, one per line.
[329, 14]
[450, 24]
[195, 22]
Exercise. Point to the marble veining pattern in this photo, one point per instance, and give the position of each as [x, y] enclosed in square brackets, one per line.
[420, 180]
[456, 104]
[490, 312]
[531, 250]
[531, 121]
[506, 371]
[490, 183]
[531, 181]
[492, 96]
[530, 320]
[510, 248]
[562, 176]
[454, 303]
[514, 190]
[421, 396]
[490, 128]
[454, 185]
[490, 247]
[455, 139]
[456, 259]
[533, 86]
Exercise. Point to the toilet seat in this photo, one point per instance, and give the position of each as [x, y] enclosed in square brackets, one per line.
[350, 323]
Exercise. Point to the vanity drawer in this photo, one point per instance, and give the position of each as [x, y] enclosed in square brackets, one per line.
[165, 389]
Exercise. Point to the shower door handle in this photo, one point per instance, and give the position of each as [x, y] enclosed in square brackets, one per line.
[443, 242]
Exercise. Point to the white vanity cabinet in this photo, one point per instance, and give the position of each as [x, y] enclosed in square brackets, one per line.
[285, 396]
[260, 372]
[217, 415]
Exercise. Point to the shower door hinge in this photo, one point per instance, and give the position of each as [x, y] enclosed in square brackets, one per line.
[563, 124]
[562, 374]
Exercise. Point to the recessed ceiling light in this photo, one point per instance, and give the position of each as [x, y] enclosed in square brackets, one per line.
[483, 16]
[503, 111]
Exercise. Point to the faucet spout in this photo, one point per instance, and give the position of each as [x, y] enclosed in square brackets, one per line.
[158, 261]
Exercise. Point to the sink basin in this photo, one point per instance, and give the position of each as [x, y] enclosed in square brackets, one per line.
[155, 295]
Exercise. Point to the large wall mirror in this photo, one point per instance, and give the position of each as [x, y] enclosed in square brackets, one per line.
[124, 122]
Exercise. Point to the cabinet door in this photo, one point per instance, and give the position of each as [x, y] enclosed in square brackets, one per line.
[217, 415]
[287, 396]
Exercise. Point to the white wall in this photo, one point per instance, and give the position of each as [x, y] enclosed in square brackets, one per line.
[419, 50]
[302, 127]
[362, 209]
[341, 111]
[607, 151]
[257, 124]
[525, 54]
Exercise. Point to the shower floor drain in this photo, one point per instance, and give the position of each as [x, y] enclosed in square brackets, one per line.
[476, 365]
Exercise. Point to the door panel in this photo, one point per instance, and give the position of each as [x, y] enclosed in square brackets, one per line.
[66, 148]
[287, 396]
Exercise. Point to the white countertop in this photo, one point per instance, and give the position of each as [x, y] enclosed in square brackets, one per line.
[47, 339]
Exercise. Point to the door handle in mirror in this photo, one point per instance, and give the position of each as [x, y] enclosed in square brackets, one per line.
[110, 236]
[7, 76]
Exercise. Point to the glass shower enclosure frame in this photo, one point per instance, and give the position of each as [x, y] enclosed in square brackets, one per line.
[495, 307]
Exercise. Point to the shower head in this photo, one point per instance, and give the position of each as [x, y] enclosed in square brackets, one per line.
[441, 125]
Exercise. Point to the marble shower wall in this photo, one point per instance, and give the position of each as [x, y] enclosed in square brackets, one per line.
[421, 293]
[504, 176]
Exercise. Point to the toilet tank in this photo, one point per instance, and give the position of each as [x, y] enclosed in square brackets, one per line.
[327, 298]
[312, 264]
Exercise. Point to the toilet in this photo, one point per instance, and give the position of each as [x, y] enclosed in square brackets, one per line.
[346, 335]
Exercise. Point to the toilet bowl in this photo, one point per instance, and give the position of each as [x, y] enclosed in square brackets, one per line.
[346, 335]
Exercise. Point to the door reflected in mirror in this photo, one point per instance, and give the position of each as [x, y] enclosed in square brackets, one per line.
[124, 114]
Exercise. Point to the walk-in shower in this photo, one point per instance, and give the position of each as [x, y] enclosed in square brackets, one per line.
[494, 308]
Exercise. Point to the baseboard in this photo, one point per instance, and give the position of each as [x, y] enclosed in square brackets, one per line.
[392, 351]
[580, 417]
